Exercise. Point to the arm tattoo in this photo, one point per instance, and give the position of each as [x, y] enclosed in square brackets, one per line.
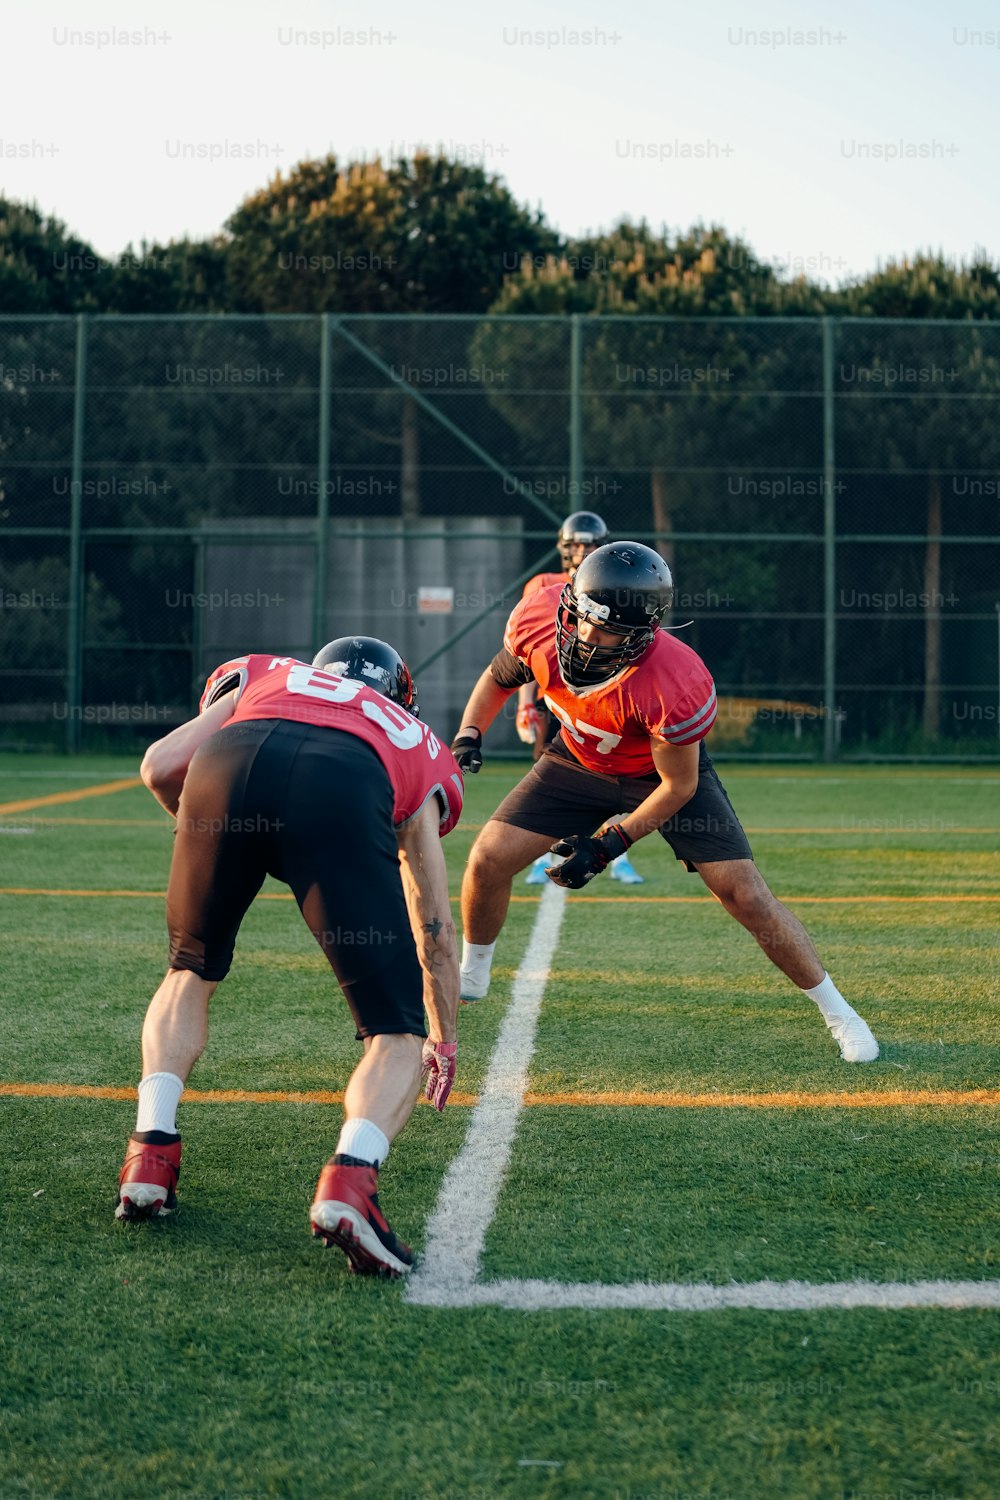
[433, 927]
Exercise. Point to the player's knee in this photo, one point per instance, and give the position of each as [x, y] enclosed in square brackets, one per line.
[486, 858]
[744, 894]
[393, 1042]
[190, 955]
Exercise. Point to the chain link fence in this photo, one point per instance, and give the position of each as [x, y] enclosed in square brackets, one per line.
[177, 490]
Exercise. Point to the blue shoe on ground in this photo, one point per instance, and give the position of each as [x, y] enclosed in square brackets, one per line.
[623, 869]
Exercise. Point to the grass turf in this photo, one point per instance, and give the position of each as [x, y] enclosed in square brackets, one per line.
[224, 1354]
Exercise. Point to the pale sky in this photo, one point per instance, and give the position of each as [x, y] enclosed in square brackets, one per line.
[872, 138]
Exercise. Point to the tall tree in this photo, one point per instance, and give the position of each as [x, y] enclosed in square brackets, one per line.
[44, 268]
[926, 412]
[675, 407]
[424, 235]
[420, 235]
[183, 276]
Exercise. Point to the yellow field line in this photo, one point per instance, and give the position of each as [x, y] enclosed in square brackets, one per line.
[104, 790]
[776, 828]
[24, 890]
[166, 821]
[661, 1099]
[795, 1099]
[795, 900]
[856, 832]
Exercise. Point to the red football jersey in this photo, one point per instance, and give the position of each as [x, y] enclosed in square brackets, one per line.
[543, 581]
[668, 694]
[278, 687]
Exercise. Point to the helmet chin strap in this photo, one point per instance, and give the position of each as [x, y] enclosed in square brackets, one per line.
[586, 662]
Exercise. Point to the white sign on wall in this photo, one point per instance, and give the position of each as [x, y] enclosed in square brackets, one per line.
[435, 601]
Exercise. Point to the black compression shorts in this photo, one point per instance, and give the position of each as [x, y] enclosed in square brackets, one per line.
[558, 796]
[313, 807]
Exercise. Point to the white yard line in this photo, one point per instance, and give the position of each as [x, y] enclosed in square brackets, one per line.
[768, 1296]
[468, 1197]
[448, 1271]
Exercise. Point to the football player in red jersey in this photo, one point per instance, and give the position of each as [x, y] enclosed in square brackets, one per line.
[323, 776]
[579, 535]
[635, 704]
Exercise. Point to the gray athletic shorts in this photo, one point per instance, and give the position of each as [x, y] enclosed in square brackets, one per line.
[558, 797]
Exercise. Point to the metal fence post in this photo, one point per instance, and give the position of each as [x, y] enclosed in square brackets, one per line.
[830, 735]
[323, 486]
[575, 411]
[197, 664]
[74, 638]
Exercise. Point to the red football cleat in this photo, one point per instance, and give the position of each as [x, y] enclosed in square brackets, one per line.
[346, 1213]
[147, 1182]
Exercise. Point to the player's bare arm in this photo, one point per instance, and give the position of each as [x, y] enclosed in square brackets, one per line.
[677, 766]
[165, 763]
[485, 702]
[488, 698]
[425, 886]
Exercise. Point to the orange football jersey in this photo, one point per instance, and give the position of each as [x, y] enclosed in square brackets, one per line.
[667, 694]
[543, 581]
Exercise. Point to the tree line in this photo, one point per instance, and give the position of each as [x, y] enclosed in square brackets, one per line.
[431, 235]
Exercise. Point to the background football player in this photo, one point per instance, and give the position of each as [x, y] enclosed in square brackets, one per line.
[635, 704]
[579, 535]
[322, 776]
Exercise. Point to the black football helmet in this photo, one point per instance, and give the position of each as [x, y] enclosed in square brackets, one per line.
[582, 529]
[623, 587]
[375, 663]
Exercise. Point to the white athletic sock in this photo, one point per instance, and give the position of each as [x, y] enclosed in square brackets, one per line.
[477, 956]
[829, 999]
[159, 1094]
[363, 1139]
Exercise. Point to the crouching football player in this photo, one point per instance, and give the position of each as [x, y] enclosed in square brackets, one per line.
[322, 776]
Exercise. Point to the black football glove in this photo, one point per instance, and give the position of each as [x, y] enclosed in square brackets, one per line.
[468, 751]
[587, 857]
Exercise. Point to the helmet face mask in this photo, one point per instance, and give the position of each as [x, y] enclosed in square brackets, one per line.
[585, 663]
[624, 589]
[378, 665]
[579, 535]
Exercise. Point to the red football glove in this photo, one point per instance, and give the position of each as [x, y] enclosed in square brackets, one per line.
[527, 723]
[438, 1065]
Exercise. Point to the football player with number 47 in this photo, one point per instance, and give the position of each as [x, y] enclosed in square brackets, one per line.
[635, 704]
[323, 776]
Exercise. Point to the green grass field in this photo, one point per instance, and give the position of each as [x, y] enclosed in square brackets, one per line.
[223, 1353]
